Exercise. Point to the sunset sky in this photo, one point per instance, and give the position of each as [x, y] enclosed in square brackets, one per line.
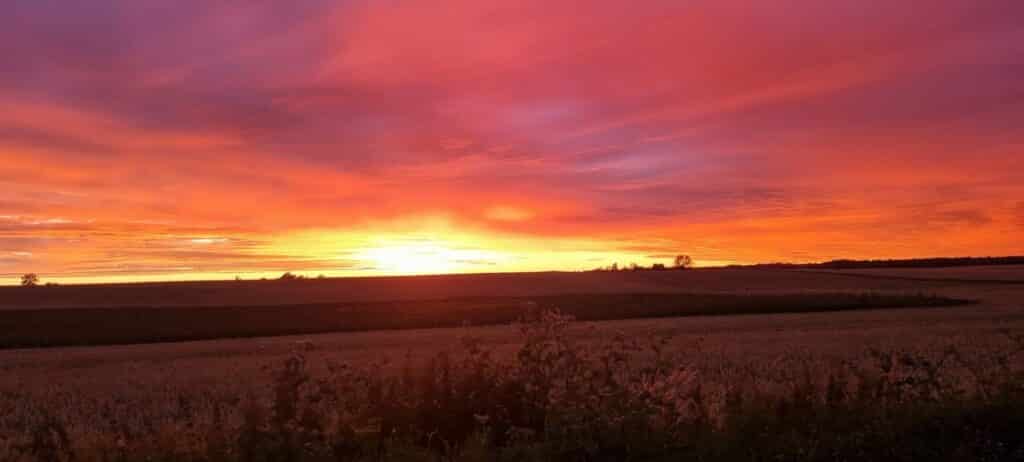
[189, 139]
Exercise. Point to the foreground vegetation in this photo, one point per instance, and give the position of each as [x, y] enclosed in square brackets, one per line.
[554, 399]
[108, 326]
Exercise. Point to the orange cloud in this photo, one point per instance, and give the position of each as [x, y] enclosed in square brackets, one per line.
[205, 139]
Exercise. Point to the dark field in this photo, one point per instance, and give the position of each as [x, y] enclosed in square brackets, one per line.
[108, 326]
[388, 289]
[804, 374]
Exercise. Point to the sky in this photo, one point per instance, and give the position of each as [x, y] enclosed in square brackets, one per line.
[197, 139]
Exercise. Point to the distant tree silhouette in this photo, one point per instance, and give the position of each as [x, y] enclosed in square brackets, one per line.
[940, 262]
[288, 276]
[658, 266]
[683, 261]
[615, 267]
[30, 280]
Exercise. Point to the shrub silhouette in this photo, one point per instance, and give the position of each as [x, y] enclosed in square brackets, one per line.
[289, 276]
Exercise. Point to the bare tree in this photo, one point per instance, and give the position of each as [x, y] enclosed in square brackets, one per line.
[683, 261]
[30, 280]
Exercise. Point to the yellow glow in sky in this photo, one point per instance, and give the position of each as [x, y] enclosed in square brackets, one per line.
[427, 258]
[436, 246]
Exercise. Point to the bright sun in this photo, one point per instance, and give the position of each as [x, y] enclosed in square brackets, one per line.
[437, 247]
[422, 258]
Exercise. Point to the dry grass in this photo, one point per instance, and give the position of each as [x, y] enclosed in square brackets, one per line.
[765, 378]
[553, 397]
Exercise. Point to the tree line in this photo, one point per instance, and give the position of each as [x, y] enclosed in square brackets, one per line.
[678, 263]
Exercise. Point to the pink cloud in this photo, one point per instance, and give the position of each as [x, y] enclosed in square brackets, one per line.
[792, 130]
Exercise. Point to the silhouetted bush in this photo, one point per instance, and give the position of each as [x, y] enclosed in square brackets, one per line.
[288, 276]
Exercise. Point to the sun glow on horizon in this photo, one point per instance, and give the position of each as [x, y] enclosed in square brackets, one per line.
[420, 245]
[427, 258]
[440, 245]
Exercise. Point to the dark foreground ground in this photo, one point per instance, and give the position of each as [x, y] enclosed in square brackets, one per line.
[143, 313]
[914, 383]
[389, 289]
[125, 325]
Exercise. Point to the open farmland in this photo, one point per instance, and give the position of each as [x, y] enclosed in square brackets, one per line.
[388, 289]
[106, 326]
[124, 392]
[140, 313]
[999, 274]
[996, 306]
